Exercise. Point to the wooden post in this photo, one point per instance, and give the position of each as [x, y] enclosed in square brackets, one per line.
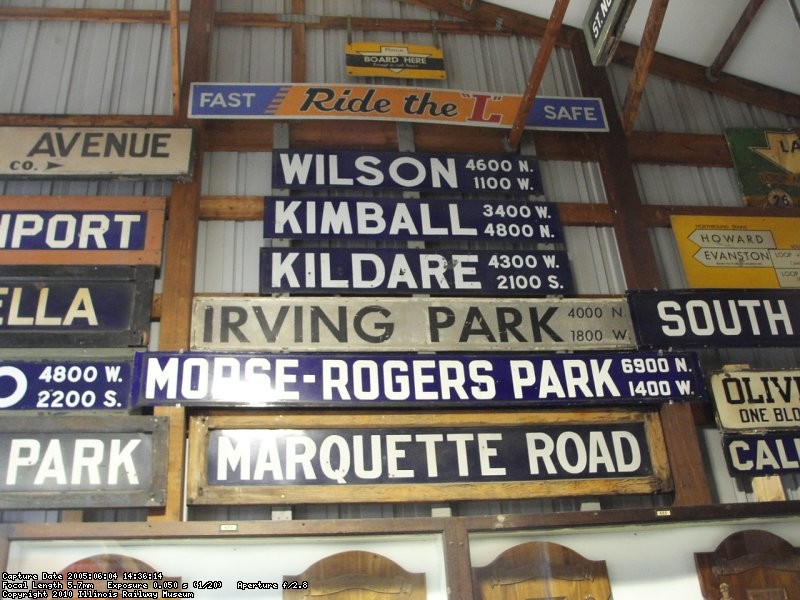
[641, 271]
[181, 255]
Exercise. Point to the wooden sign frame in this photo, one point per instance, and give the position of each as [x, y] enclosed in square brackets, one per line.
[200, 491]
[154, 207]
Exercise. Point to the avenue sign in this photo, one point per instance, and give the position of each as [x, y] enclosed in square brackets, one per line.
[87, 230]
[414, 380]
[757, 399]
[409, 324]
[326, 458]
[69, 152]
[87, 462]
[371, 271]
[411, 219]
[417, 171]
[387, 103]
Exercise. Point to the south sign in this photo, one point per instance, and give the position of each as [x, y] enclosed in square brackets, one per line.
[417, 171]
[442, 272]
[692, 318]
[417, 380]
[411, 219]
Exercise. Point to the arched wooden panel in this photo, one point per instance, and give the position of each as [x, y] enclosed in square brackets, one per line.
[750, 565]
[542, 571]
[355, 575]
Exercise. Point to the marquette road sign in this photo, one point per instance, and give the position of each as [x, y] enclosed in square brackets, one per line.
[309, 459]
[396, 271]
[75, 306]
[65, 385]
[751, 252]
[692, 318]
[386, 103]
[83, 462]
[411, 219]
[297, 169]
[753, 400]
[84, 230]
[762, 454]
[415, 381]
[410, 324]
[64, 152]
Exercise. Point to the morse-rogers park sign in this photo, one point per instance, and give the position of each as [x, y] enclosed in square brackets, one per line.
[416, 380]
[324, 458]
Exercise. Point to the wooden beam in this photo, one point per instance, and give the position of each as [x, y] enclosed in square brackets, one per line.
[641, 68]
[180, 257]
[736, 35]
[175, 38]
[298, 43]
[537, 73]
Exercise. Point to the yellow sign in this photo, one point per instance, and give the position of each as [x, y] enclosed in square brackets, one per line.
[407, 61]
[739, 252]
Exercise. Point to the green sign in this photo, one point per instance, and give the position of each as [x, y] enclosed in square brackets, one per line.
[767, 162]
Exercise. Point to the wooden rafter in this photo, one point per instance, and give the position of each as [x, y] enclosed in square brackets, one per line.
[175, 45]
[641, 67]
[733, 40]
[537, 72]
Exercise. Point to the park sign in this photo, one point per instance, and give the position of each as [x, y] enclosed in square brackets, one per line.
[87, 230]
[66, 306]
[302, 459]
[384, 380]
[285, 101]
[715, 318]
[404, 61]
[72, 152]
[602, 27]
[383, 271]
[767, 162]
[738, 252]
[361, 324]
[86, 462]
[756, 399]
[405, 171]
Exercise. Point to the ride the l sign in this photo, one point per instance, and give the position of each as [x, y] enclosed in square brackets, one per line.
[386, 103]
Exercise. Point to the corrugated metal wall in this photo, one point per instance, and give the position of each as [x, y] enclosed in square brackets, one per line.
[113, 68]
